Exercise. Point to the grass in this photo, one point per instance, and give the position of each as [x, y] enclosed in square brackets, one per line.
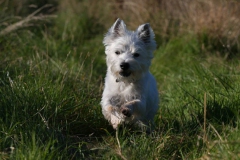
[51, 81]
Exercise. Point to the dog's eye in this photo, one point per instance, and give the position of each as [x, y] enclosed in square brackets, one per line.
[136, 55]
[117, 52]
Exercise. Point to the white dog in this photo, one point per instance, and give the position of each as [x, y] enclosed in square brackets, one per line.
[130, 94]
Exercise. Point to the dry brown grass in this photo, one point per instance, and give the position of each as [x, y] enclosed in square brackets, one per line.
[27, 21]
[218, 19]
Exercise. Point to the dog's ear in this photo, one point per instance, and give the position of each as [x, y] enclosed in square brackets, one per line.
[118, 29]
[146, 34]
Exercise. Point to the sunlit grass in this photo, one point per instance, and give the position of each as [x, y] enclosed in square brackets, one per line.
[51, 81]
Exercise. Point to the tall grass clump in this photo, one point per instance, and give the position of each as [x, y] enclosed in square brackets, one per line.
[52, 68]
[48, 103]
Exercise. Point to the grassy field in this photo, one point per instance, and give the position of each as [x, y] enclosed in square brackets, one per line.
[52, 69]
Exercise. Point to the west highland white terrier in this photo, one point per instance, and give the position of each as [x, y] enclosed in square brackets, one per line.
[130, 94]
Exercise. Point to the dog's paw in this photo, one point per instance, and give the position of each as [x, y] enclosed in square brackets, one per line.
[115, 121]
[126, 111]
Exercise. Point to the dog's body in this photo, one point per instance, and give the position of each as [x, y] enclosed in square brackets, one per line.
[130, 94]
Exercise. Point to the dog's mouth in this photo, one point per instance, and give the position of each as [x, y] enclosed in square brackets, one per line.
[125, 73]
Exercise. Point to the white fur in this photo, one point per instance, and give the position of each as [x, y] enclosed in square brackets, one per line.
[133, 98]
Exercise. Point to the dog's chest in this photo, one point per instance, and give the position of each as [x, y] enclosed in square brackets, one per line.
[124, 94]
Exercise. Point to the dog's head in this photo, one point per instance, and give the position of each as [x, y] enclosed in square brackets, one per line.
[129, 53]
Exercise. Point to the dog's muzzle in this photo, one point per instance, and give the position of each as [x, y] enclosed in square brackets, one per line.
[125, 73]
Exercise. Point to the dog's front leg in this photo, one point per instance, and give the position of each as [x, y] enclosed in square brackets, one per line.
[135, 107]
[111, 113]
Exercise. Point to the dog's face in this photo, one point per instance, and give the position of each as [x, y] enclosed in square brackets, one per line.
[129, 53]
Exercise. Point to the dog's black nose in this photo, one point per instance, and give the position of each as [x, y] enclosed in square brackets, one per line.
[124, 66]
